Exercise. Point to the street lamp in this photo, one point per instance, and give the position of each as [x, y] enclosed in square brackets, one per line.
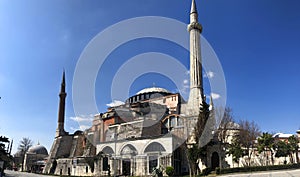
[115, 138]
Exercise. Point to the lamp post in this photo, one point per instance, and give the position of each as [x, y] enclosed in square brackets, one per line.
[115, 138]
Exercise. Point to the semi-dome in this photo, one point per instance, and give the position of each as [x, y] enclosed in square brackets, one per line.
[38, 149]
[153, 89]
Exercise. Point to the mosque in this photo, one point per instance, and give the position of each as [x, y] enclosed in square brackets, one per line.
[148, 131]
[34, 160]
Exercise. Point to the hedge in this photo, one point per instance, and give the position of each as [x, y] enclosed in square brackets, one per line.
[256, 168]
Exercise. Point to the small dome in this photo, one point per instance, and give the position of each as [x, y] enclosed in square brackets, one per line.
[153, 89]
[18, 154]
[38, 149]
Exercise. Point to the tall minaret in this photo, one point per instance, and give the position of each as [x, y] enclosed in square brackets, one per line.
[196, 83]
[61, 110]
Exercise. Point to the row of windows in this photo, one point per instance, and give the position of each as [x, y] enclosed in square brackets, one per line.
[173, 121]
[147, 96]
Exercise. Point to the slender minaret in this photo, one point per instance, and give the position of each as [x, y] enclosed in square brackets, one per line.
[61, 110]
[196, 83]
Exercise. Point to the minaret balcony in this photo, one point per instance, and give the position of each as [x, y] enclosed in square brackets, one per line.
[195, 25]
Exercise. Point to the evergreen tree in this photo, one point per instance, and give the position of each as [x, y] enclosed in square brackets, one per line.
[282, 149]
[235, 150]
[266, 144]
[293, 142]
[198, 150]
[4, 153]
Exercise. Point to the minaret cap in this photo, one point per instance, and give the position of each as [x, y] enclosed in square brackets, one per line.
[63, 83]
[63, 78]
[193, 7]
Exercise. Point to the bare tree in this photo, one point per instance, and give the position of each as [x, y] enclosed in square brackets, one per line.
[247, 135]
[226, 124]
[24, 145]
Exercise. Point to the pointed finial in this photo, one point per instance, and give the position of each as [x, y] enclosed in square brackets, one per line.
[193, 7]
[63, 83]
[63, 77]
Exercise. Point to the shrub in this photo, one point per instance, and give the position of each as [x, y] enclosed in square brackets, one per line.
[170, 171]
[218, 170]
[206, 171]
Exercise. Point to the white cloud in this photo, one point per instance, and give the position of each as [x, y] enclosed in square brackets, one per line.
[73, 129]
[185, 81]
[84, 127]
[209, 74]
[215, 96]
[185, 87]
[115, 103]
[84, 118]
[187, 72]
[81, 127]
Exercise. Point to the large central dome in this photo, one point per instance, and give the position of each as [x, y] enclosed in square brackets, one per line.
[153, 89]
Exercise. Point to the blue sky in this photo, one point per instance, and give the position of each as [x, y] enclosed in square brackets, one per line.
[257, 43]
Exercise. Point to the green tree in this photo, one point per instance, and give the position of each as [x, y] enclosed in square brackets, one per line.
[235, 150]
[170, 171]
[265, 145]
[282, 149]
[293, 142]
[4, 153]
[201, 122]
[198, 151]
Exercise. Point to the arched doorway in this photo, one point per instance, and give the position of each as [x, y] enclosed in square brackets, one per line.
[215, 160]
[154, 151]
[128, 153]
[107, 152]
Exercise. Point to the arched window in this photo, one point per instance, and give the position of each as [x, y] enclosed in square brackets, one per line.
[108, 150]
[128, 150]
[154, 147]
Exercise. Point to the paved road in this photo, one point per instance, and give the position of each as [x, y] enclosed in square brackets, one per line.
[9, 173]
[281, 173]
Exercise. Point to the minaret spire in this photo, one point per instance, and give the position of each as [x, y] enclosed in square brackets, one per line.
[194, 7]
[196, 82]
[61, 110]
[63, 83]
